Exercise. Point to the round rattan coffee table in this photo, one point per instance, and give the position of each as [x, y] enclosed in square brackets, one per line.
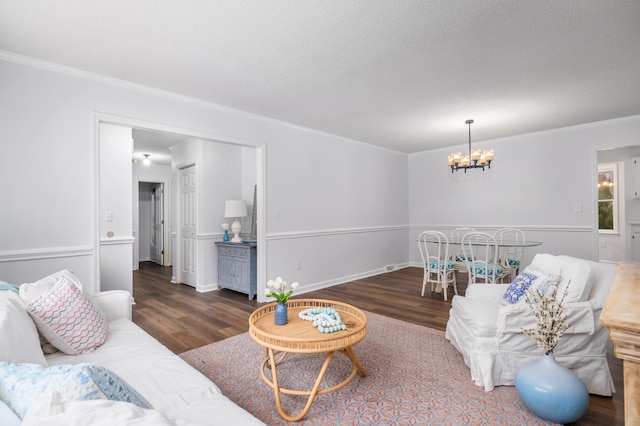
[299, 336]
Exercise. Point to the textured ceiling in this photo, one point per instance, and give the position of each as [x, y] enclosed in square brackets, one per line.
[403, 74]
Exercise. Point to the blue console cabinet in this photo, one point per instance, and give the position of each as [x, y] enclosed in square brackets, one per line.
[237, 267]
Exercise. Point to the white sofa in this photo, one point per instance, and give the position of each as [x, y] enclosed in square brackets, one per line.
[487, 330]
[177, 393]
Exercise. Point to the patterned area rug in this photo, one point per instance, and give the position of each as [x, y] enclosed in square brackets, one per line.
[414, 376]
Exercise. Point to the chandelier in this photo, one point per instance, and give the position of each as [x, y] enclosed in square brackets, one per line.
[476, 159]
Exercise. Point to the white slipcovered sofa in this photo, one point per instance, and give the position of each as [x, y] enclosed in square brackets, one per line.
[486, 324]
[166, 390]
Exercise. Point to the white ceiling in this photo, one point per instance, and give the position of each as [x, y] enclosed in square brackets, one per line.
[403, 74]
[156, 144]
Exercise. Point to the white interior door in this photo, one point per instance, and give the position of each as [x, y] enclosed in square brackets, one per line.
[188, 252]
[157, 224]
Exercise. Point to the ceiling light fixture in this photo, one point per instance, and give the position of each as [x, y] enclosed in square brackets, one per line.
[476, 159]
[146, 160]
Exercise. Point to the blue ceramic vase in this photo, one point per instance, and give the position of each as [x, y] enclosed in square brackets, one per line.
[281, 313]
[551, 391]
[226, 236]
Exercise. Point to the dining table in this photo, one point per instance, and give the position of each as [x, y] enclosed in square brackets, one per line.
[501, 244]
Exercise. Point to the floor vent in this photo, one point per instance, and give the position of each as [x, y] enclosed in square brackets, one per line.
[390, 268]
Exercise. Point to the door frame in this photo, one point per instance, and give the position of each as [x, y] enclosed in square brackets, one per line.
[626, 226]
[158, 207]
[166, 202]
[260, 148]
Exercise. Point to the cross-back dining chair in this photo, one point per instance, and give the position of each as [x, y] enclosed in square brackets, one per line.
[482, 262]
[511, 248]
[439, 269]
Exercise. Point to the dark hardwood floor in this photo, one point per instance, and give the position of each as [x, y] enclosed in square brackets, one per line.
[183, 319]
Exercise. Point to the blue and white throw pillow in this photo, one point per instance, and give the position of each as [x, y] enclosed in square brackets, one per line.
[531, 278]
[21, 385]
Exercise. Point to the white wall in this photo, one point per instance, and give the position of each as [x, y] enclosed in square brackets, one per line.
[116, 203]
[317, 181]
[535, 184]
[336, 205]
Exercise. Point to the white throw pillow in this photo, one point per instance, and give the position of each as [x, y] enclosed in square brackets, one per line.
[69, 320]
[31, 291]
[19, 341]
[575, 275]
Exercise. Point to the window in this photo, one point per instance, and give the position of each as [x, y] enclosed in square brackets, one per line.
[607, 199]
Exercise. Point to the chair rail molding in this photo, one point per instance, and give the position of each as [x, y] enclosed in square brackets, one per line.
[210, 236]
[483, 228]
[116, 241]
[339, 231]
[45, 253]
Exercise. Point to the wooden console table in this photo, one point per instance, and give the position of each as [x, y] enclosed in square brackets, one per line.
[621, 314]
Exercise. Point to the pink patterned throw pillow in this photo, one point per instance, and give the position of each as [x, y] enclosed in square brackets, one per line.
[68, 319]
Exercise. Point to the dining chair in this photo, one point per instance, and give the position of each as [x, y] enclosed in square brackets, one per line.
[439, 269]
[511, 248]
[482, 260]
[458, 254]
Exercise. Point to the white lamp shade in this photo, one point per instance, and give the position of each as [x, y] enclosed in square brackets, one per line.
[235, 208]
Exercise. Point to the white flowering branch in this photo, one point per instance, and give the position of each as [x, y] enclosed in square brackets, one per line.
[551, 319]
[276, 289]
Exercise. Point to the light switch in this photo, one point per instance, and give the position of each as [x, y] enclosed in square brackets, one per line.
[108, 216]
[577, 208]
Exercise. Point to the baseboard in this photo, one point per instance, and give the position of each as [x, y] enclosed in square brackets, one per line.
[207, 288]
[336, 281]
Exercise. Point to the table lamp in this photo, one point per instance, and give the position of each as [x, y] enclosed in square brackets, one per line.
[236, 209]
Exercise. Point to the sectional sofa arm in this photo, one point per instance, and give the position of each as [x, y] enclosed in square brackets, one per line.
[116, 304]
[486, 292]
[581, 318]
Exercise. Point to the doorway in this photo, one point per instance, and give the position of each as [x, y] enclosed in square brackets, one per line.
[617, 229]
[115, 202]
[151, 220]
